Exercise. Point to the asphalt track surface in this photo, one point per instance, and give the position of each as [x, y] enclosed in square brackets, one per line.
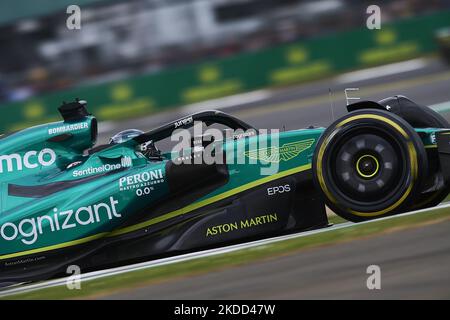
[414, 264]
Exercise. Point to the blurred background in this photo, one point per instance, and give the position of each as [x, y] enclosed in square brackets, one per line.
[139, 57]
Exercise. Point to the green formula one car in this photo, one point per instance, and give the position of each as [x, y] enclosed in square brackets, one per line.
[64, 201]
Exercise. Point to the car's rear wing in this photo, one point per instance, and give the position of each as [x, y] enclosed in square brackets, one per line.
[443, 142]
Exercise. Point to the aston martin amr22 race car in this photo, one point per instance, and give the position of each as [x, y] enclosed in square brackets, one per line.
[64, 201]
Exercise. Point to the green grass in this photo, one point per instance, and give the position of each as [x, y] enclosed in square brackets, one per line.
[104, 286]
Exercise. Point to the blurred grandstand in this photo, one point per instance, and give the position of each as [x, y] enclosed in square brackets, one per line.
[123, 38]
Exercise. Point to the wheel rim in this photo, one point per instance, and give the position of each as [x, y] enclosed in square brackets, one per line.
[367, 168]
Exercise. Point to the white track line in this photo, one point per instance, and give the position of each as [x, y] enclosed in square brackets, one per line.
[386, 70]
[192, 256]
[228, 101]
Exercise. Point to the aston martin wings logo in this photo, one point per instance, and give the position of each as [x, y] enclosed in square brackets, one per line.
[286, 152]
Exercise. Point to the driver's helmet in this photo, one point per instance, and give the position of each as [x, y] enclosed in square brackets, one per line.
[125, 136]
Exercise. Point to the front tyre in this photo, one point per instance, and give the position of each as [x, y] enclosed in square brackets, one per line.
[368, 164]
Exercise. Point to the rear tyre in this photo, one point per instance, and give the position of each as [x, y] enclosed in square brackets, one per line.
[369, 164]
